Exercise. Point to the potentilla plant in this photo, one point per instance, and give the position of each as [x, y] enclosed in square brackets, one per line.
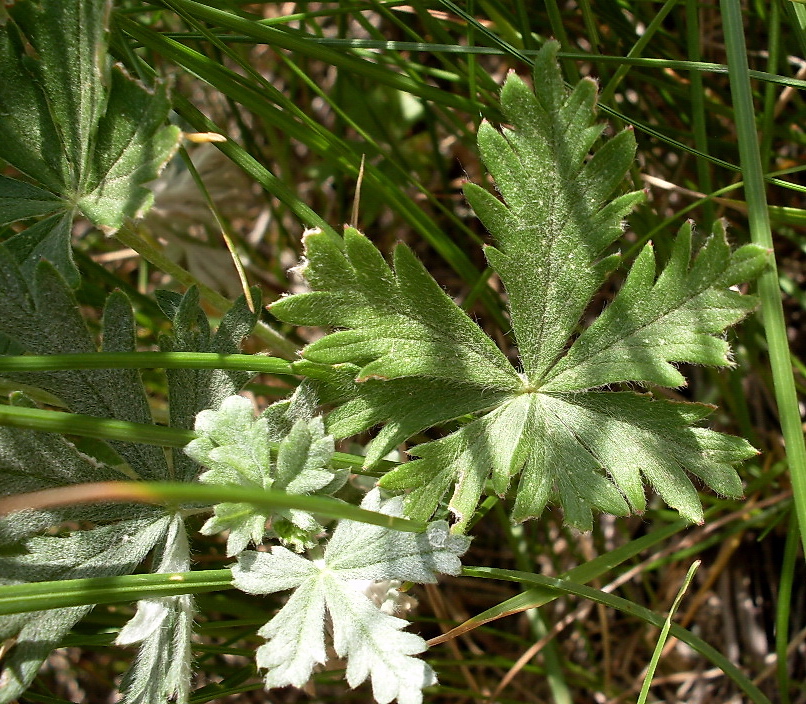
[406, 356]
[564, 424]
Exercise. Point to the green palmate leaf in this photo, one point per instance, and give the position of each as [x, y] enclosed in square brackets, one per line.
[406, 356]
[406, 341]
[357, 557]
[86, 133]
[236, 448]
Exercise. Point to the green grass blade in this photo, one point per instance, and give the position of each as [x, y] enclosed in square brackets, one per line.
[519, 544]
[299, 44]
[536, 597]
[664, 635]
[173, 493]
[772, 312]
[147, 360]
[784, 609]
[565, 586]
[38, 596]
[126, 431]
[610, 89]
[698, 110]
[93, 427]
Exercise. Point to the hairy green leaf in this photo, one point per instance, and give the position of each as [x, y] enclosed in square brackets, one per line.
[236, 448]
[87, 134]
[405, 355]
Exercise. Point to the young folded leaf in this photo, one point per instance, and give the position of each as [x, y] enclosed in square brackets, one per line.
[372, 641]
[163, 628]
[415, 360]
[236, 448]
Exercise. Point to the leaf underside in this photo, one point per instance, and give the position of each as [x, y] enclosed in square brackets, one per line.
[372, 641]
[405, 356]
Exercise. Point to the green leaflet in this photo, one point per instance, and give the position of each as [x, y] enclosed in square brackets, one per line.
[401, 324]
[405, 355]
[87, 134]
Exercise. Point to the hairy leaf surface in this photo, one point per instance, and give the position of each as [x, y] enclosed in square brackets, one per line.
[87, 134]
[236, 448]
[405, 355]
[373, 641]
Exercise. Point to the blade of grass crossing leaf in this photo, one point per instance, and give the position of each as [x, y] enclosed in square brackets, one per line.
[109, 429]
[38, 596]
[93, 427]
[664, 635]
[772, 313]
[172, 493]
[146, 360]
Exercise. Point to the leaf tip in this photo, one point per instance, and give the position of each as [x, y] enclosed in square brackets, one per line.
[204, 137]
[310, 232]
